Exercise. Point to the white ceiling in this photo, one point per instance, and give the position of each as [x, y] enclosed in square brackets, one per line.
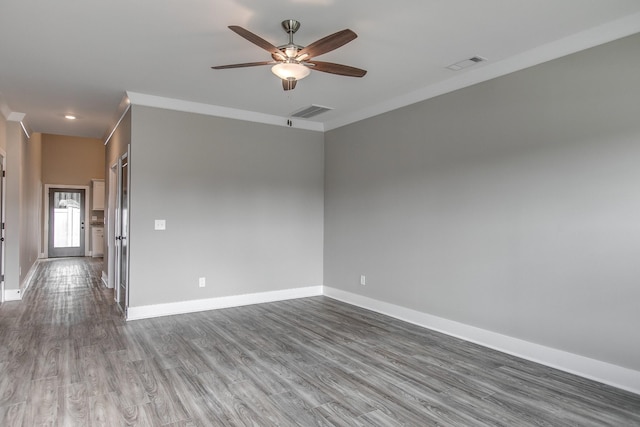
[70, 56]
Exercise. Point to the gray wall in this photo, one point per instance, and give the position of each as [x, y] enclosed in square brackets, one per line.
[3, 133]
[512, 205]
[23, 188]
[31, 203]
[243, 204]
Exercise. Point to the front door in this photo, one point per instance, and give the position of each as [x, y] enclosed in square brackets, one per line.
[122, 231]
[66, 222]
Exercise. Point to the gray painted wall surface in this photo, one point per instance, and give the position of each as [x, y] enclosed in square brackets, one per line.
[14, 142]
[32, 197]
[3, 133]
[512, 205]
[243, 204]
[23, 195]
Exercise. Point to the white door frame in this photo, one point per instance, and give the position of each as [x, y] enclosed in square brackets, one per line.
[111, 228]
[124, 159]
[87, 201]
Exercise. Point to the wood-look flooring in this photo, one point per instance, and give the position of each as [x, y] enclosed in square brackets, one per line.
[68, 359]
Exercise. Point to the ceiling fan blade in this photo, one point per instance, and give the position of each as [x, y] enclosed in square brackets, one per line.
[289, 84]
[327, 44]
[343, 70]
[246, 64]
[258, 41]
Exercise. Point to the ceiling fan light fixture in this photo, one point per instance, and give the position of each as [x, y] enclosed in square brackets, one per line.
[291, 51]
[290, 70]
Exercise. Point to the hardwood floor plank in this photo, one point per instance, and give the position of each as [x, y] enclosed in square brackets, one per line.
[104, 411]
[67, 358]
[48, 362]
[94, 365]
[42, 405]
[73, 405]
[124, 379]
[298, 410]
[12, 415]
[164, 402]
[141, 416]
[227, 405]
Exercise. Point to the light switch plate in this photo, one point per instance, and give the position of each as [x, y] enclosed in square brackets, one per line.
[161, 224]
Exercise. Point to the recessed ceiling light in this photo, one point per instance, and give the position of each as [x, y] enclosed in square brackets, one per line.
[70, 117]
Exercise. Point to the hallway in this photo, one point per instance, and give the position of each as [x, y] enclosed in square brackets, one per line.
[67, 358]
[52, 343]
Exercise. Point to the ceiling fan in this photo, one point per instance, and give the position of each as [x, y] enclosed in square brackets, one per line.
[292, 62]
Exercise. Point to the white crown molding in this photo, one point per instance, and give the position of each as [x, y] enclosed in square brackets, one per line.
[577, 42]
[14, 116]
[122, 110]
[617, 376]
[218, 111]
[486, 71]
[182, 307]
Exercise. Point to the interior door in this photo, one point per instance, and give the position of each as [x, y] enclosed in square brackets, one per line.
[2, 229]
[66, 222]
[122, 234]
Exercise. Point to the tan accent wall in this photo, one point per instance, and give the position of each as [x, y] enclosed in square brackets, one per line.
[71, 160]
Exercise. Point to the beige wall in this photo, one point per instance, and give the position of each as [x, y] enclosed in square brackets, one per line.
[71, 160]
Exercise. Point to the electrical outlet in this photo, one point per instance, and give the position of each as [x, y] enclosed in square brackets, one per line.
[202, 282]
[160, 224]
[363, 280]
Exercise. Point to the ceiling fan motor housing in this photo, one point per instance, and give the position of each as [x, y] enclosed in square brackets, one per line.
[290, 25]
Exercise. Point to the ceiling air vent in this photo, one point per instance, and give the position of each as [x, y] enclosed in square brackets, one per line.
[310, 111]
[466, 63]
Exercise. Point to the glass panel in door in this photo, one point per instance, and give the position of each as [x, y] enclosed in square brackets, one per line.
[66, 222]
[123, 229]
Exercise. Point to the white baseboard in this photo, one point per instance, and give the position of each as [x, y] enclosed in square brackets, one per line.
[105, 279]
[26, 282]
[617, 376]
[12, 295]
[157, 310]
